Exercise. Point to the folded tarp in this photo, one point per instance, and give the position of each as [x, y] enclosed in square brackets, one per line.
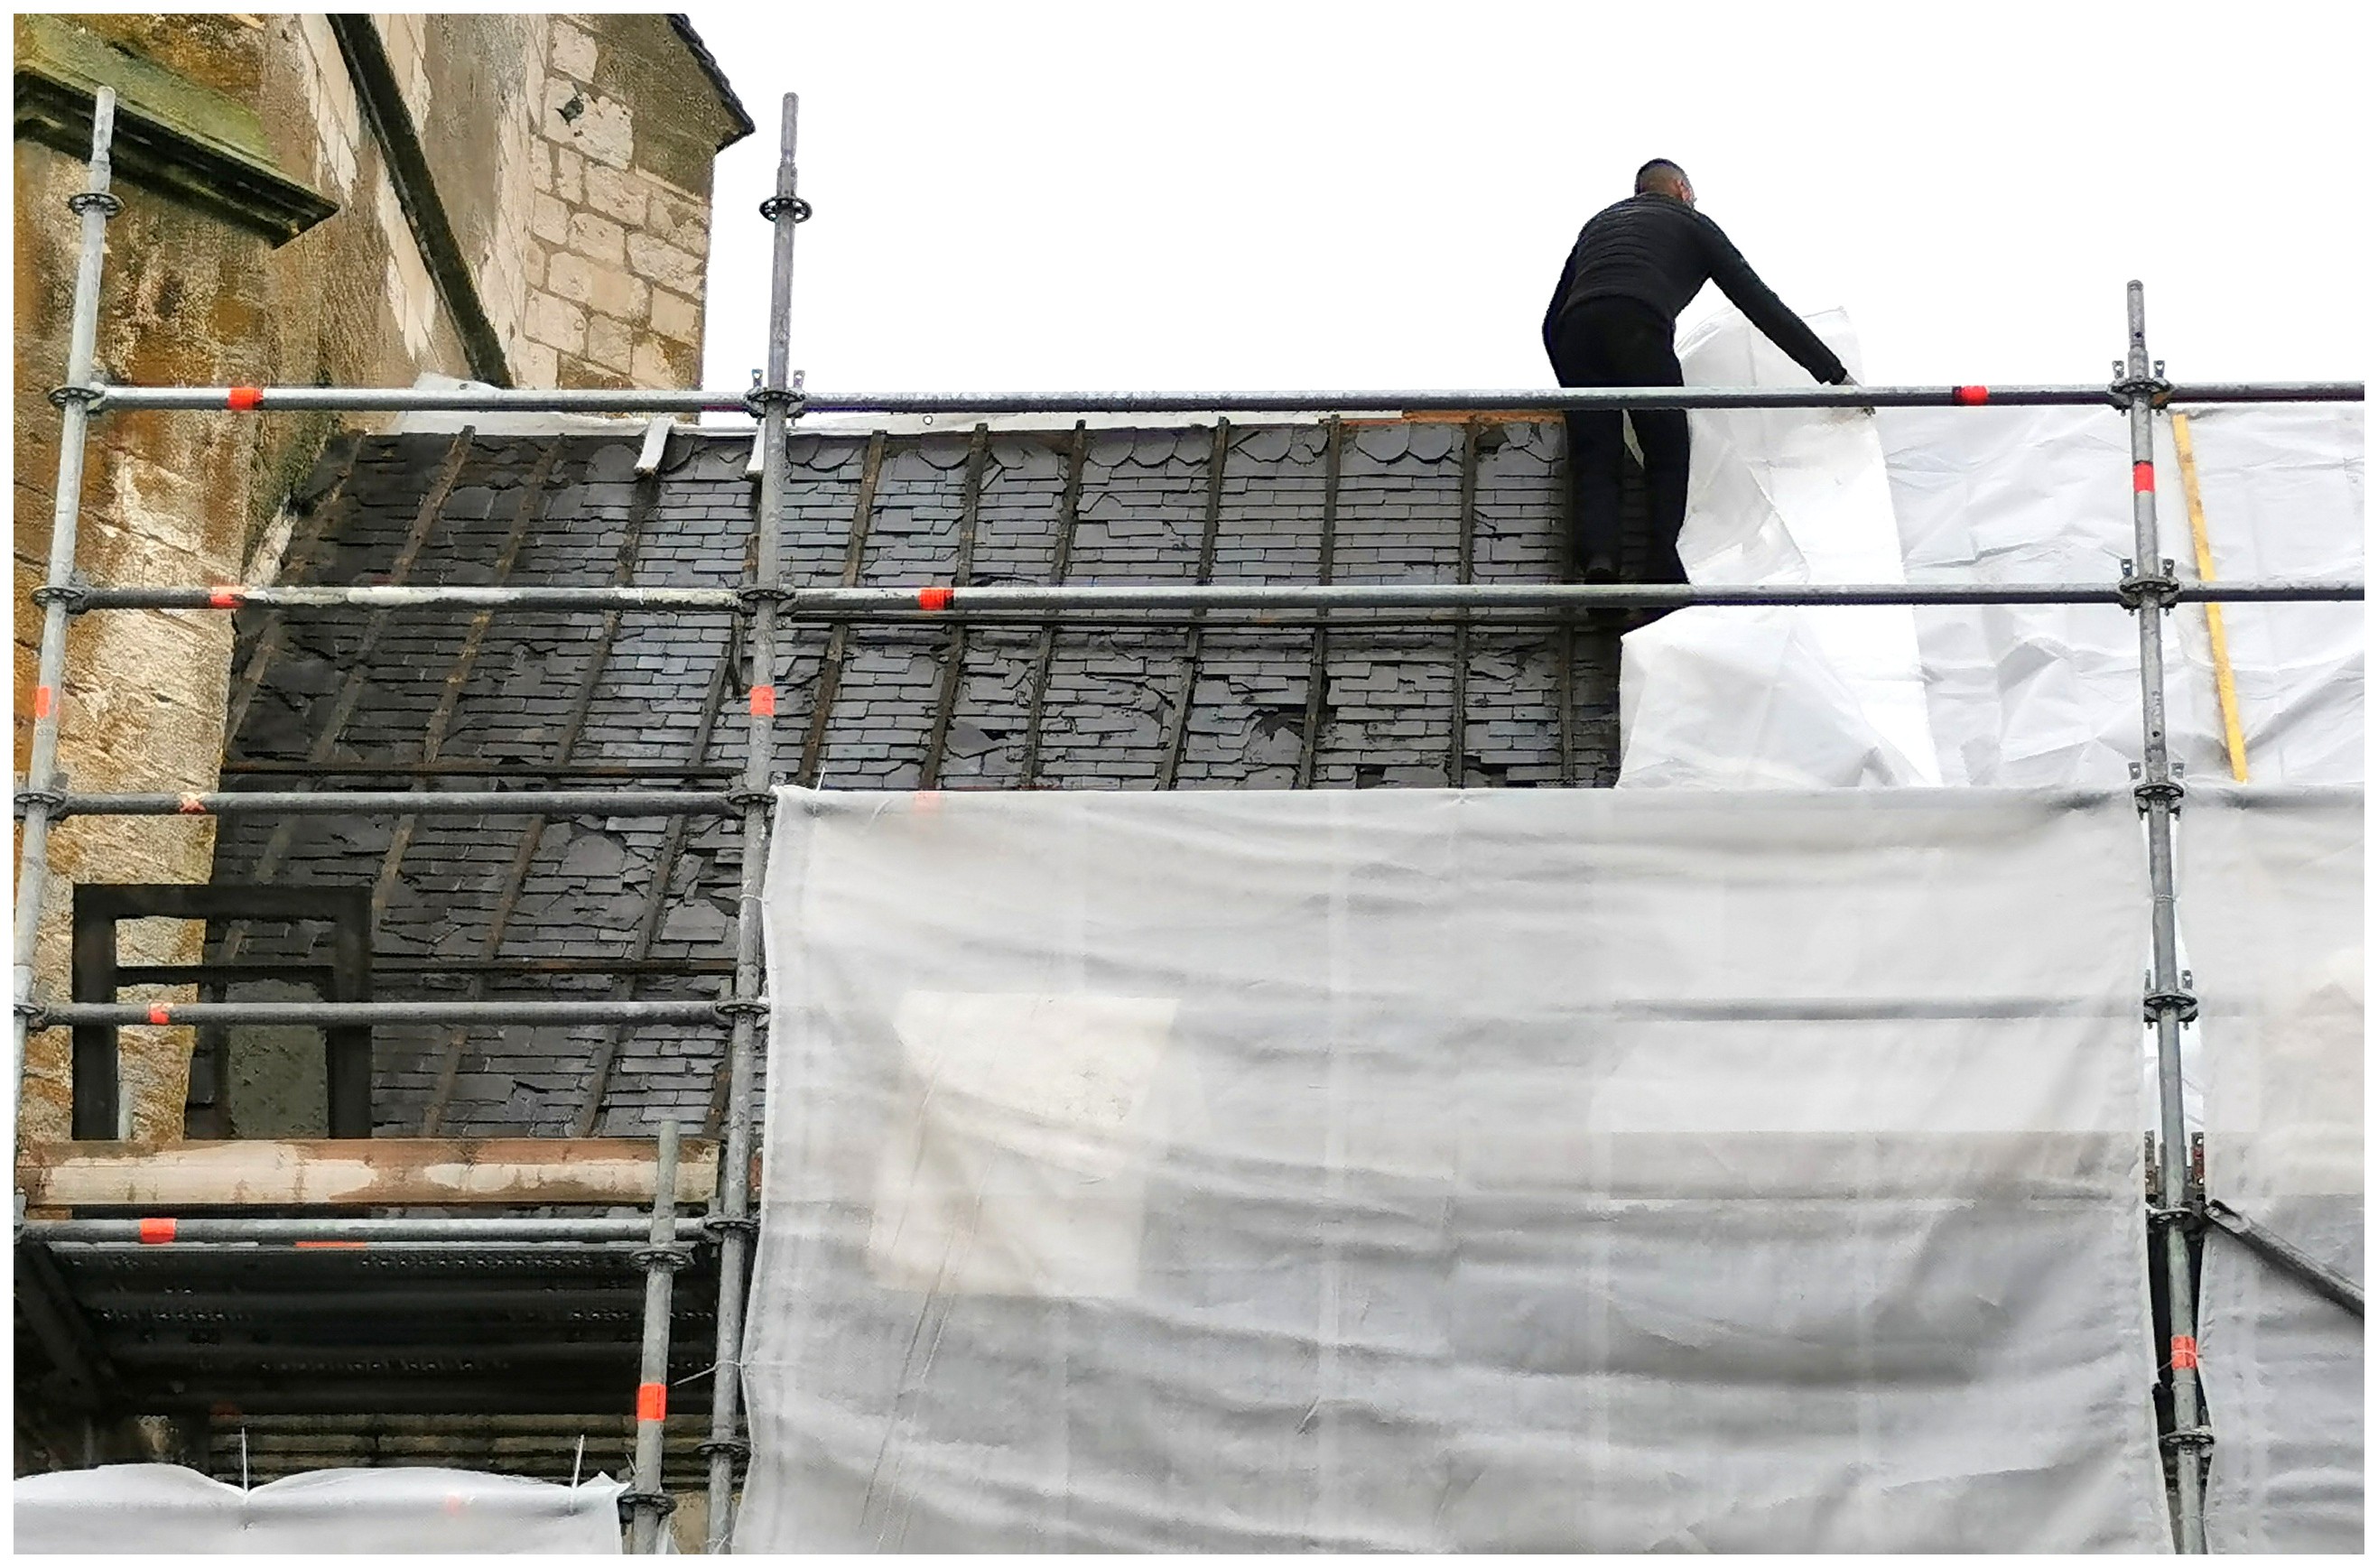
[162, 1509]
[1429, 1170]
[1787, 697]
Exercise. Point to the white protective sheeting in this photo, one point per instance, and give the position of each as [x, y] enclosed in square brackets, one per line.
[2048, 694]
[1788, 697]
[166, 1510]
[2273, 909]
[1446, 1170]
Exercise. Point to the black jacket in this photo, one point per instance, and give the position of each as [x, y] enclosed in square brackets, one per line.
[1655, 250]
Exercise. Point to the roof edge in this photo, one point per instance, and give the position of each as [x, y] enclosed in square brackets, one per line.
[683, 27]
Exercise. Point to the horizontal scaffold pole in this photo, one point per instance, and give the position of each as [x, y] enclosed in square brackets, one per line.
[106, 399]
[332, 1015]
[158, 1231]
[402, 803]
[826, 604]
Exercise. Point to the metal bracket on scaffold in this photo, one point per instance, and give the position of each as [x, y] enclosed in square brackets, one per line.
[2125, 386]
[2171, 791]
[792, 398]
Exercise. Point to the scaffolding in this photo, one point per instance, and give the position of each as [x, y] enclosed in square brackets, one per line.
[666, 1244]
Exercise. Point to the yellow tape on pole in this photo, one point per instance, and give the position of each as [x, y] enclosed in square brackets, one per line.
[2223, 678]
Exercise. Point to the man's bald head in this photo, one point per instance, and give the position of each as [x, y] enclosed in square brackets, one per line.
[1665, 178]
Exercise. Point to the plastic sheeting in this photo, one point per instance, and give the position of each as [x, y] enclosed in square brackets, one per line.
[1997, 695]
[1452, 1170]
[1784, 697]
[167, 1510]
[2274, 912]
[2048, 694]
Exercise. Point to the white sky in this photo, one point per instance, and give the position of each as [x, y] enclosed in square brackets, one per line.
[1249, 196]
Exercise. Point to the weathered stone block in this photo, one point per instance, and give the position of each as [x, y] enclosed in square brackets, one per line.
[679, 220]
[665, 264]
[598, 127]
[676, 318]
[617, 193]
[555, 320]
[549, 220]
[597, 238]
[570, 50]
[534, 364]
[606, 289]
[569, 175]
[609, 342]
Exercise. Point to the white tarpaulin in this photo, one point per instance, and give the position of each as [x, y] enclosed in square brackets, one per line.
[1452, 1170]
[1995, 695]
[1786, 697]
[2273, 914]
[160, 1510]
[2048, 694]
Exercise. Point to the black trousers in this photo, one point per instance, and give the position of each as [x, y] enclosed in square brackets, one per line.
[1619, 342]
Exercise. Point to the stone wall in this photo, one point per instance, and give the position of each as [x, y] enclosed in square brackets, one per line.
[608, 119]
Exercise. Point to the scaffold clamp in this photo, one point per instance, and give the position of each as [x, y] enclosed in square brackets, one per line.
[2138, 590]
[2126, 390]
[718, 1224]
[667, 1259]
[74, 596]
[773, 206]
[2187, 1217]
[90, 397]
[54, 800]
[734, 1447]
[735, 1007]
[2192, 1437]
[761, 399]
[660, 1503]
[2181, 1003]
[83, 201]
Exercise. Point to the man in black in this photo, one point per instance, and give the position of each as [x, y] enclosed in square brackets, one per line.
[1613, 323]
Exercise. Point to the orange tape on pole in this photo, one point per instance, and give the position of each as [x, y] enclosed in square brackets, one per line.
[2183, 1351]
[157, 1014]
[243, 397]
[156, 1232]
[224, 598]
[935, 598]
[652, 1401]
[2143, 477]
[45, 701]
[194, 805]
[764, 702]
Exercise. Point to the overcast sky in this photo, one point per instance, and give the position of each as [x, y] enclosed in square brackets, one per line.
[1251, 196]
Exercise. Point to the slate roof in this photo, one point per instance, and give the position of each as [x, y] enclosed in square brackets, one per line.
[525, 694]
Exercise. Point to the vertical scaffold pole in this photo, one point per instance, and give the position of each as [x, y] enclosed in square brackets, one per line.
[94, 205]
[776, 401]
[2168, 1003]
[660, 1258]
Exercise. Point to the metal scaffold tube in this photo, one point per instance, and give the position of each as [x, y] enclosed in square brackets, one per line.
[493, 1230]
[943, 603]
[359, 400]
[737, 1229]
[661, 1258]
[389, 802]
[332, 1015]
[2167, 1002]
[94, 205]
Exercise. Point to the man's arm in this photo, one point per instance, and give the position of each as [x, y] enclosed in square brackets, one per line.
[1769, 314]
